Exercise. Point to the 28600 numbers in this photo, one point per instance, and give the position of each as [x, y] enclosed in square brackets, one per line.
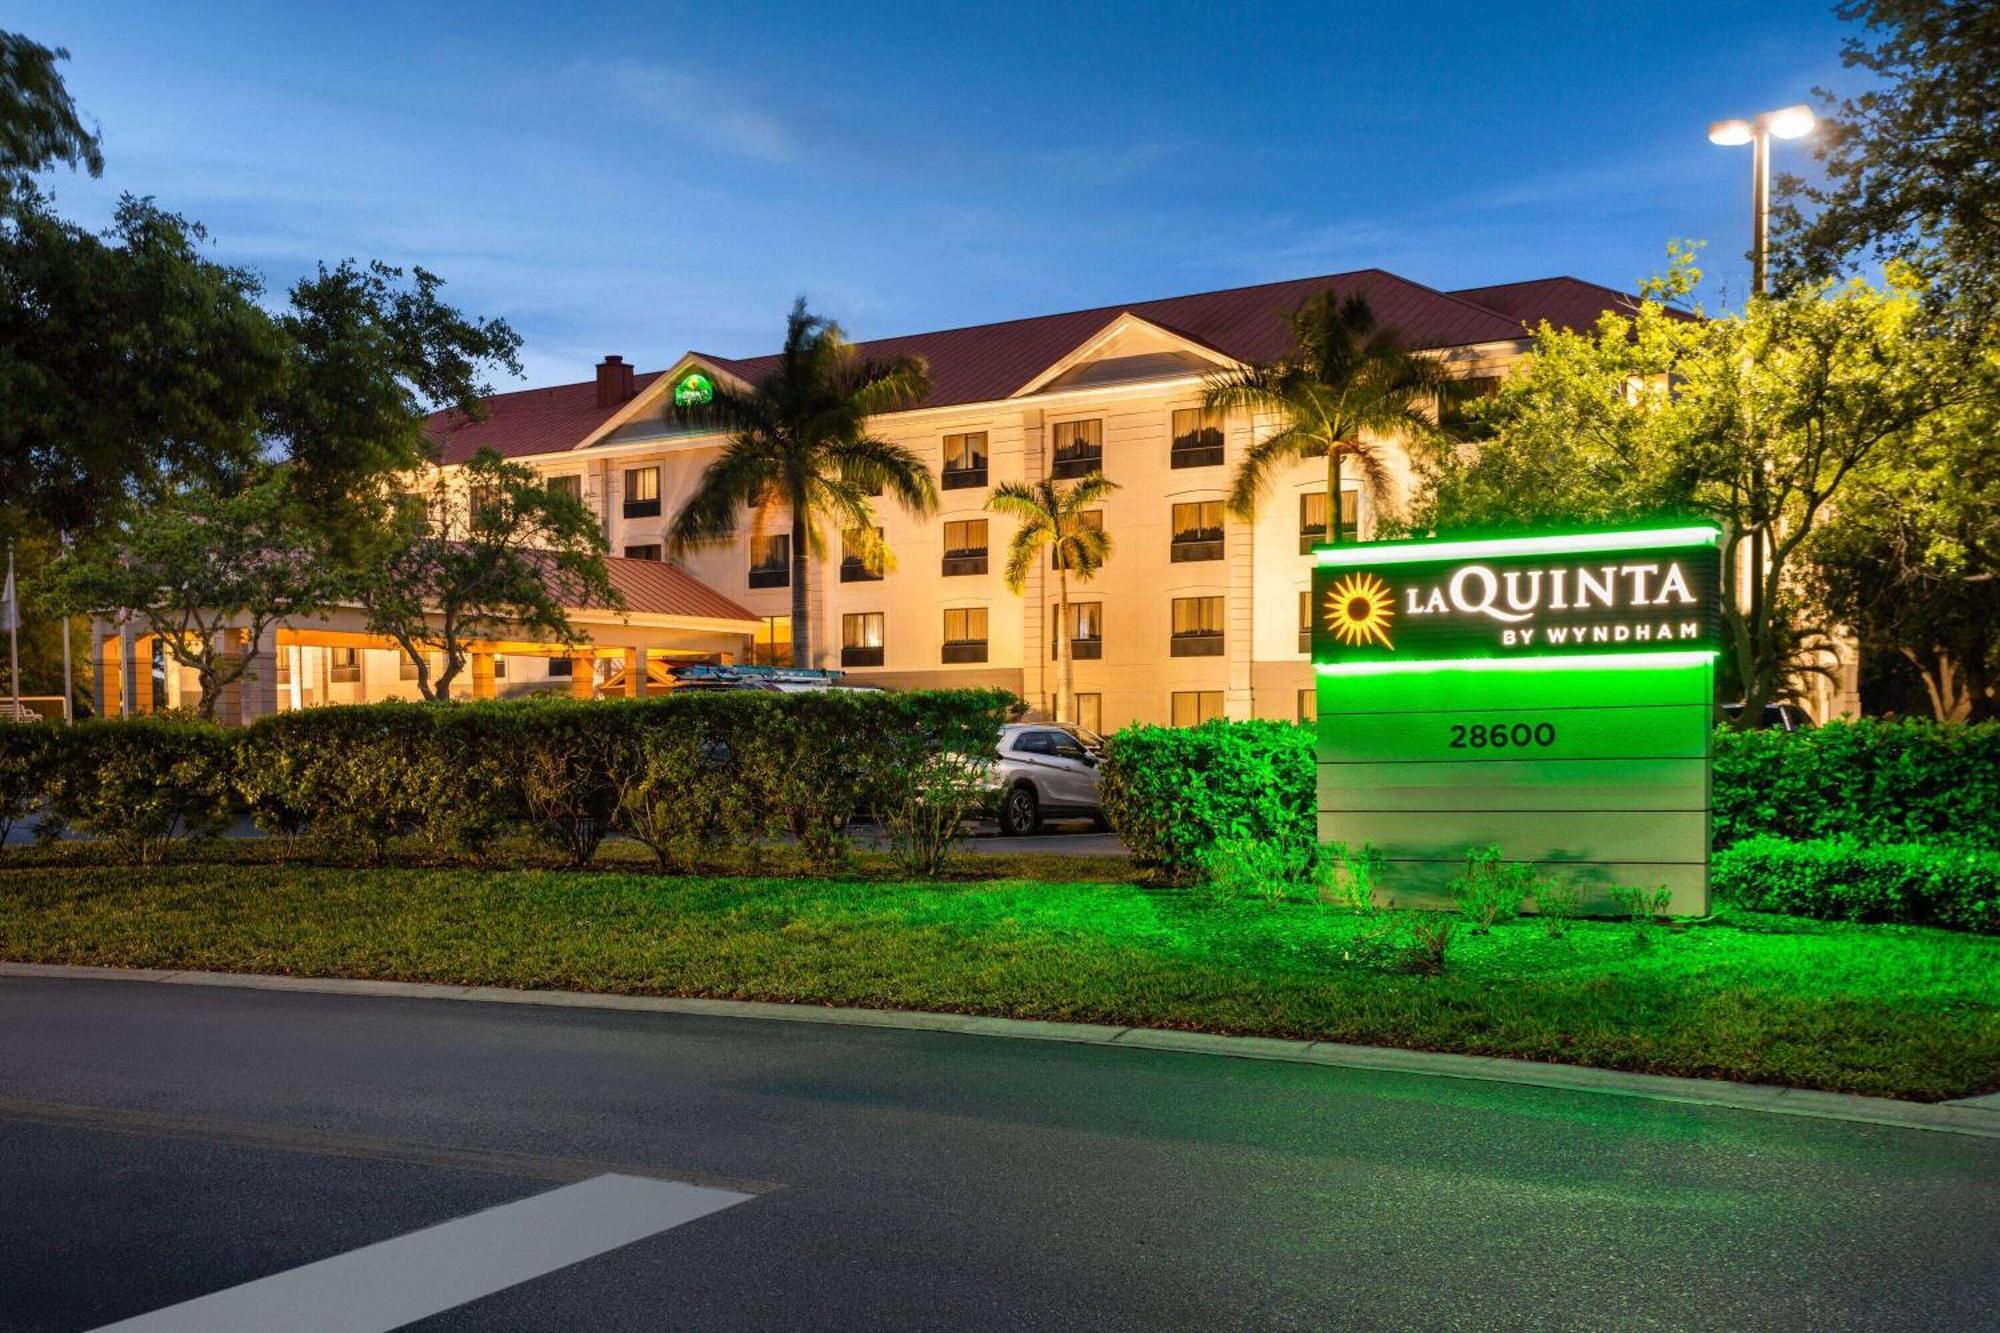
[1501, 736]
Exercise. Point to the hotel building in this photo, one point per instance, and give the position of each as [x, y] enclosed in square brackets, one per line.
[1198, 613]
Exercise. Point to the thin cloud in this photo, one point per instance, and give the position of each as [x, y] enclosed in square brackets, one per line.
[715, 115]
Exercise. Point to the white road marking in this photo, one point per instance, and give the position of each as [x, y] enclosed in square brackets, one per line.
[395, 1282]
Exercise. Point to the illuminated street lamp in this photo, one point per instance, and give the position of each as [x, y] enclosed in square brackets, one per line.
[1790, 122]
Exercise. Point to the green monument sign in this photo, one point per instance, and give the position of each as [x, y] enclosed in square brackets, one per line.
[1550, 695]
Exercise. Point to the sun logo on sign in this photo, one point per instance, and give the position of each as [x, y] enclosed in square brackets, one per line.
[1359, 609]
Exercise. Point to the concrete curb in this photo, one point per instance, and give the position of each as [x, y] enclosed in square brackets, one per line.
[1975, 1116]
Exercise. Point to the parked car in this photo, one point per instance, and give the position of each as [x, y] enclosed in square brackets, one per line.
[1044, 770]
[1777, 717]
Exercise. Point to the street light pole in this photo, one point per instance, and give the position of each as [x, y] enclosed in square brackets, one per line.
[1785, 123]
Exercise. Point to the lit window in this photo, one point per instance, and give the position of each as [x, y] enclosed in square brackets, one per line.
[860, 558]
[771, 560]
[861, 638]
[1089, 518]
[1197, 438]
[1197, 627]
[965, 634]
[965, 546]
[642, 492]
[1191, 708]
[1198, 531]
[1078, 446]
[1312, 518]
[1305, 620]
[571, 485]
[964, 460]
[1090, 712]
[343, 665]
[1308, 705]
[773, 645]
[1086, 631]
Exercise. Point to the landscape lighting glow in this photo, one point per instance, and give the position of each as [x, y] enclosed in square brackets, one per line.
[1572, 662]
[1432, 552]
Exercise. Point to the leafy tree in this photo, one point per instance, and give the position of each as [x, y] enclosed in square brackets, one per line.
[1911, 563]
[130, 364]
[197, 565]
[483, 551]
[39, 125]
[367, 356]
[1761, 421]
[1051, 517]
[1346, 379]
[1911, 171]
[799, 443]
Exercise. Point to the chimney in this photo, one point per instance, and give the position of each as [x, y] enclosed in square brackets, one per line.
[614, 381]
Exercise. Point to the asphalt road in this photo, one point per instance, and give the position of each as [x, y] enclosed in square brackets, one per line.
[158, 1144]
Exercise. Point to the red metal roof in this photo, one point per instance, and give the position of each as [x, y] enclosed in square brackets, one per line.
[655, 588]
[1567, 303]
[986, 362]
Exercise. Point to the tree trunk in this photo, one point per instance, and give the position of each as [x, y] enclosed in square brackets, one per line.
[801, 612]
[1332, 495]
[1065, 666]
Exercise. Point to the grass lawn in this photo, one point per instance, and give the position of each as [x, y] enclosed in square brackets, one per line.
[1888, 1010]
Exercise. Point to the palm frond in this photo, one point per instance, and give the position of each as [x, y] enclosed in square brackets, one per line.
[1290, 442]
[744, 473]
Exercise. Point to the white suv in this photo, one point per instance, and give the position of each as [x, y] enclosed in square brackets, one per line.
[1045, 770]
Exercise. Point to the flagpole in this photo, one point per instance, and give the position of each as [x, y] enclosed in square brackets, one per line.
[13, 633]
[69, 689]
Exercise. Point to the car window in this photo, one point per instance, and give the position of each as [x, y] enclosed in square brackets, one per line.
[1032, 742]
[1065, 745]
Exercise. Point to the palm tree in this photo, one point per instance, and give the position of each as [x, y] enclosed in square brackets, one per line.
[1051, 516]
[799, 441]
[1346, 376]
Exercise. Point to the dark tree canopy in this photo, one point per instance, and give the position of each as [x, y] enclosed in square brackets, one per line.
[1912, 166]
[39, 126]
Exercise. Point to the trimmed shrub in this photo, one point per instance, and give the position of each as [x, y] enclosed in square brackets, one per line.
[1173, 793]
[680, 786]
[142, 783]
[350, 776]
[1845, 879]
[1903, 781]
[26, 752]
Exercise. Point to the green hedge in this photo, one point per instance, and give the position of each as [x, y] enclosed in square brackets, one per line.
[687, 773]
[1906, 781]
[1845, 879]
[1172, 794]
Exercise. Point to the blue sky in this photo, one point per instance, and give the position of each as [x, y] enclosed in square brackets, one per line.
[642, 179]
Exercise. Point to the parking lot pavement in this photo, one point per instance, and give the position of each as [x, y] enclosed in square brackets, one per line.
[160, 1145]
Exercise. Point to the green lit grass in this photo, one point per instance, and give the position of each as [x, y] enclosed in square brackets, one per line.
[1896, 1011]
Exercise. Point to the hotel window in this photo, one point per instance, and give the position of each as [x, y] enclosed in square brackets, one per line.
[861, 639]
[965, 546]
[1090, 712]
[562, 668]
[406, 666]
[1197, 438]
[284, 665]
[650, 551]
[1312, 519]
[1198, 531]
[1305, 620]
[1086, 631]
[1197, 627]
[1079, 447]
[1308, 704]
[1455, 402]
[965, 634]
[1191, 708]
[964, 461]
[571, 485]
[855, 550]
[1089, 518]
[642, 492]
[771, 560]
[773, 644]
[343, 665]
[480, 502]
